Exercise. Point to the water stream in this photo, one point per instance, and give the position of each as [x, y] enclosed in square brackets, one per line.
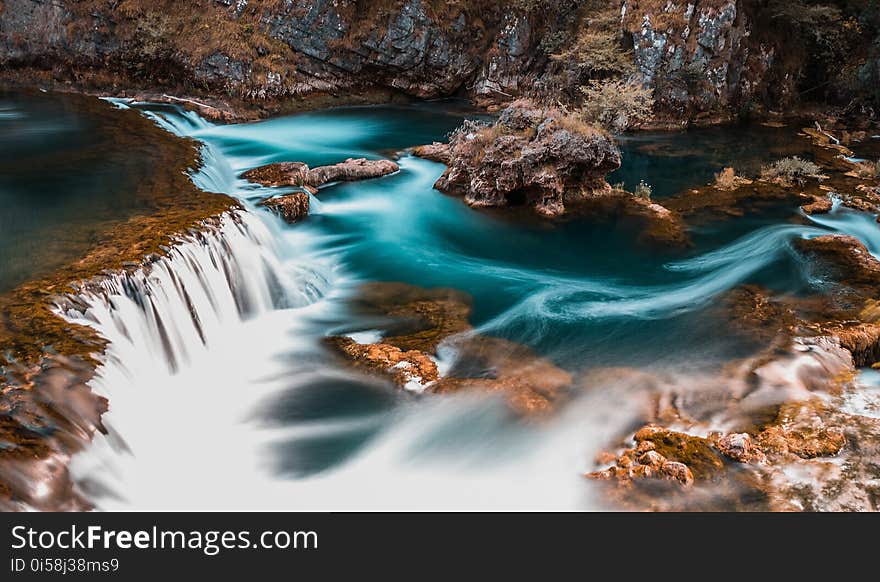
[222, 396]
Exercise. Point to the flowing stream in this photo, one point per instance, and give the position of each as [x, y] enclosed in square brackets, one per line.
[222, 396]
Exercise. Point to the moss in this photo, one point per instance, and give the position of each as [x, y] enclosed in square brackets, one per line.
[695, 452]
[421, 317]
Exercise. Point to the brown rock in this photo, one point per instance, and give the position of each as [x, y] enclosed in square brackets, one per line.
[652, 459]
[529, 383]
[738, 446]
[802, 429]
[695, 452]
[819, 205]
[677, 472]
[846, 258]
[299, 174]
[436, 152]
[291, 207]
[532, 156]
[349, 170]
[403, 367]
[645, 446]
[420, 318]
[281, 174]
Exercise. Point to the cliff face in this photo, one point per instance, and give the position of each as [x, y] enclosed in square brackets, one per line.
[703, 57]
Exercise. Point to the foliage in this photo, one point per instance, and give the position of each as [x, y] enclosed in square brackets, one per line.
[727, 179]
[643, 190]
[598, 53]
[792, 170]
[616, 104]
[869, 170]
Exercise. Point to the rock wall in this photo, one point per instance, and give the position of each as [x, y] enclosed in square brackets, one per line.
[701, 57]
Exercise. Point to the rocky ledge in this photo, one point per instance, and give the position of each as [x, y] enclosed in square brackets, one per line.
[416, 323]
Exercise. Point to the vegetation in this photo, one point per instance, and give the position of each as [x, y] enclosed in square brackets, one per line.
[598, 53]
[616, 104]
[792, 170]
[727, 179]
[869, 170]
[643, 190]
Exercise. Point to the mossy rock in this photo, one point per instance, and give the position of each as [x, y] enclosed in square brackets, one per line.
[695, 452]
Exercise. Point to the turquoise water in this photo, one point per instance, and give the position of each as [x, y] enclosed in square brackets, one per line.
[65, 172]
[272, 420]
[582, 292]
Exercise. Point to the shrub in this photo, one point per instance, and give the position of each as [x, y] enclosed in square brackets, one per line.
[727, 179]
[153, 36]
[616, 105]
[598, 52]
[643, 190]
[792, 170]
[869, 170]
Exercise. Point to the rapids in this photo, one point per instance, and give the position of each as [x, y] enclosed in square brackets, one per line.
[221, 396]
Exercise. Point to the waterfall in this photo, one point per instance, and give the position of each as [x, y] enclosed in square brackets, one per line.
[175, 306]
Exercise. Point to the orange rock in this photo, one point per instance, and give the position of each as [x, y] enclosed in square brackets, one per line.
[677, 472]
[403, 367]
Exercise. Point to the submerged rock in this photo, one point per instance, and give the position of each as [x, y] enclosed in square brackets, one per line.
[414, 318]
[299, 174]
[291, 207]
[416, 322]
[530, 384]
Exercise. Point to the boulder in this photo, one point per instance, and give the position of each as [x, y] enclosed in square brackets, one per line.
[349, 170]
[280, 174]
[299, 174]
[291, 207]
[532, 156]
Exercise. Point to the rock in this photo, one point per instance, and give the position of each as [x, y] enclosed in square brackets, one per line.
[532, 157]
[846, 258]
[738, 446]
[696, 453]
[802, 429]
[436, 152]
[417, 321]
[280, 174]
[299, 174]
[349, 170]
[291, 207]
[703, 61]
[529, 383]
[819, 205]
[652, 459]
[405, 368]
[677, 472]
[416, 318]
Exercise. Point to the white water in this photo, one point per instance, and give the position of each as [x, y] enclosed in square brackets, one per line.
[205, 340]
[208, 345]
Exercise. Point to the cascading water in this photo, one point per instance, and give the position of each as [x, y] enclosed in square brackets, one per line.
[222, 398]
